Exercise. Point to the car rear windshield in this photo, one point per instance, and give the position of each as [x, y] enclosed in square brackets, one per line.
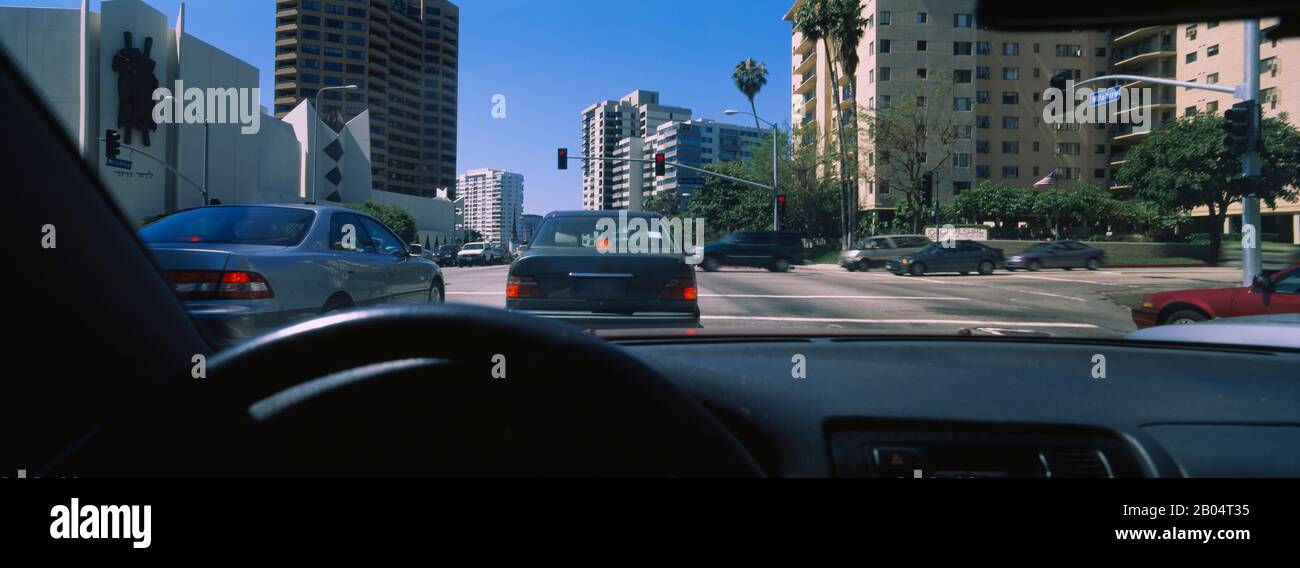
[583, 232]
[276, 226]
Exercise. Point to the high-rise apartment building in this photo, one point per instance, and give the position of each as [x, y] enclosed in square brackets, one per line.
[618, 129]
[491, 202]
[698, 143]
[403, 56]
[1150, 52]
[991, 82]
[1212, 52]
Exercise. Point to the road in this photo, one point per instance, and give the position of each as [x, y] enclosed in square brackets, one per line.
[1060, 303]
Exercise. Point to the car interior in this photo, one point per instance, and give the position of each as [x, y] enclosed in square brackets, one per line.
[135, 391]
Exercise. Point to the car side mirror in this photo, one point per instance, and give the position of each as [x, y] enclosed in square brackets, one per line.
[415, 250]
[1262, 283]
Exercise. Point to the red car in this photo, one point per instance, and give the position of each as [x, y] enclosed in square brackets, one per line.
[1279, 294]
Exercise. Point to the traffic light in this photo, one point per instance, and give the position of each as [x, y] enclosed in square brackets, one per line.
[1240, 123]
[659, 164]
[562, 159]
[780, 209]
[927, 187]
[112, 143]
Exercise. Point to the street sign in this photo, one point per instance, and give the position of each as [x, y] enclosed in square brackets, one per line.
[119, 163]
[1106, 96]
[690, 181]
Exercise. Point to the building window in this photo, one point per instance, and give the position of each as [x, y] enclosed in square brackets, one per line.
[884, 74]
[1010, 122]
[1101, 52]
[1011, 73]
[1212, 51]
[1069, 50]
[1067, 148]
[922, 45]
[981, 146]
[885, 18]
[961, 103]
[961, 48]
[1099, 149]
[1191, 58]
[1010, 98]
[962, 20]
[922, 17]
[981, 48]
[964, 132]
[982, 171]
[963, 76]
[1212, 78]
[1010, 147]
[961, 160]
[921, 73]
[884, 46]
[981, 72]
[982, 97]
[1212, 106]
[1010, 48]
[1010, 172]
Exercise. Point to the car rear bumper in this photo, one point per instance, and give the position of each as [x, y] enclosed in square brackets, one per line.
[224, 324]
[638, 320]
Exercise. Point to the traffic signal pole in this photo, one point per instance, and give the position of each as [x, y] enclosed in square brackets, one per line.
[1250, 161]
[203, 189]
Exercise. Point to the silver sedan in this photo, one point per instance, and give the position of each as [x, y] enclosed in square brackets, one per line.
[242, 270]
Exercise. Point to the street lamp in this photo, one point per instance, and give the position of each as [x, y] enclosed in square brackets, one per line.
[204, 189]
[315, 127]
[776, 222]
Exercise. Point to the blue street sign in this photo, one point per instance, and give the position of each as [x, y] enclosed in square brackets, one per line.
[120, 164]
[1106, 96]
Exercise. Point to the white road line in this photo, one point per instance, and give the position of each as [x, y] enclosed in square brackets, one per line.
[901, 321]
[783, 296]
[501, 293]
[1072, 298]
[1071, 280]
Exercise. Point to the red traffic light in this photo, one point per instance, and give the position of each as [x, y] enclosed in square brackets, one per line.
[562, 159]
[659, 164]
[780, 199]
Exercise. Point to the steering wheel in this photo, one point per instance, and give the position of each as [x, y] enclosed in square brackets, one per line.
[436, 390]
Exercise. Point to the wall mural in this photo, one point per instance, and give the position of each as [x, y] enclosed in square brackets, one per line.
[135, 85]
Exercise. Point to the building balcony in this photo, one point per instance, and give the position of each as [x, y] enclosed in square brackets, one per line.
[808, 84]
[1131, 36]
[807, 64]
[1142, 54]
[805, 45]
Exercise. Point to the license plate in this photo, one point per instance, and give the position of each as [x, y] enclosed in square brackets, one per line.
[600, 289]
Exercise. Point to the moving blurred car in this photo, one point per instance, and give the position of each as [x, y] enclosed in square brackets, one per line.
[570, 272]
[242, 270]
[472, 254]
[445, 255]
[773, 250]
[964, 257]
[1058, 254]
[1276, 294]
[874, 251]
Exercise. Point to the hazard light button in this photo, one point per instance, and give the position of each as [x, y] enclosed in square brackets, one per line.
[898, 461]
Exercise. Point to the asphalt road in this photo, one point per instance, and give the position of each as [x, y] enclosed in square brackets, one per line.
[1076, 303]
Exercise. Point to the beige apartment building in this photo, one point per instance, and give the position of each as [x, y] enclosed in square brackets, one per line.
[1212, 52]
[997, 83]
[619, 129]
[403, 54]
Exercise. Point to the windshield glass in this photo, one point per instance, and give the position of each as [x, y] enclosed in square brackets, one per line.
[278, 226]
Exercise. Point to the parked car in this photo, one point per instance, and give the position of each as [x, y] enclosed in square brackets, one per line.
[1058, 254]
[241, 270]
[568, 273]
[473, 254]
[445, 255]
[1276, 294]
[872, 252]
[963, 257]
[773, 250]
[496, 256]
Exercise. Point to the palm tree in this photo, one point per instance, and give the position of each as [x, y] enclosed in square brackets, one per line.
[847, 26]
[813, 20]
[750, 76]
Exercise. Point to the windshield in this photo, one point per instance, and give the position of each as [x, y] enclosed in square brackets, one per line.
[277, 226]
[473, 247]
[599, 233]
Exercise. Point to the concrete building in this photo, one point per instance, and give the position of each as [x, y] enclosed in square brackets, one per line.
[67, 55]
[403, 54]
[992, 81]
[618, 129]
[491, 202]
[698, 143]
[1211, 52]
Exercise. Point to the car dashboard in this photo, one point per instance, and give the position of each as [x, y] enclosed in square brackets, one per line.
[993, 407]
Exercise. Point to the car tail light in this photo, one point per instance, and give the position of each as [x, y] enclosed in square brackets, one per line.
[218, 285]
[680, 289]
[523, 287]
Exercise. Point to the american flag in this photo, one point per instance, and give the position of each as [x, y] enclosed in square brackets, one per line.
[1049, 179]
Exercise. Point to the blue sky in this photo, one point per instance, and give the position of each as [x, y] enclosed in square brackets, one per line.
[551, 59]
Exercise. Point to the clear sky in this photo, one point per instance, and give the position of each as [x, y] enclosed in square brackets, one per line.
[551, 59]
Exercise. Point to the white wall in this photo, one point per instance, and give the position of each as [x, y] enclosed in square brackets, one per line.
[43, 43]
[435, 217]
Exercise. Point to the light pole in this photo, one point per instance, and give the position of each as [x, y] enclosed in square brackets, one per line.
[315, 130]
[204, 187]
[776, 221]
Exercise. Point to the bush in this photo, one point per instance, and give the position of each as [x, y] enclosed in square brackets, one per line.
[1204, 238]
[396, 218]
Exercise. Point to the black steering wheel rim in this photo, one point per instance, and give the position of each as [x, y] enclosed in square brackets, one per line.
[570, 403]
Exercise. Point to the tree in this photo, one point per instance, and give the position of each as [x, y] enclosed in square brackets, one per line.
[728, 206]
[847, 28]
[1185, 164]
[396, 218]
[815, 20]
[990, 201]
[913, 138]
[749, 77]
[663, 203]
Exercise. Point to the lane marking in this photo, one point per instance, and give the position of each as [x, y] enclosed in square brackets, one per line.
[502, 293]
[902, 321]
[1072, 298]
[1069, 280]
[833, 297]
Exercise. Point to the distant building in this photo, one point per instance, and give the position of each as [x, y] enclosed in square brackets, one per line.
[698, 143]
[528, 225]
[618, 129]
[490, 202]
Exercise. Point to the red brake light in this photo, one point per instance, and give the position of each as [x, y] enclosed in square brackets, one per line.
[523, 287]
[680, 289]
[218, 285]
